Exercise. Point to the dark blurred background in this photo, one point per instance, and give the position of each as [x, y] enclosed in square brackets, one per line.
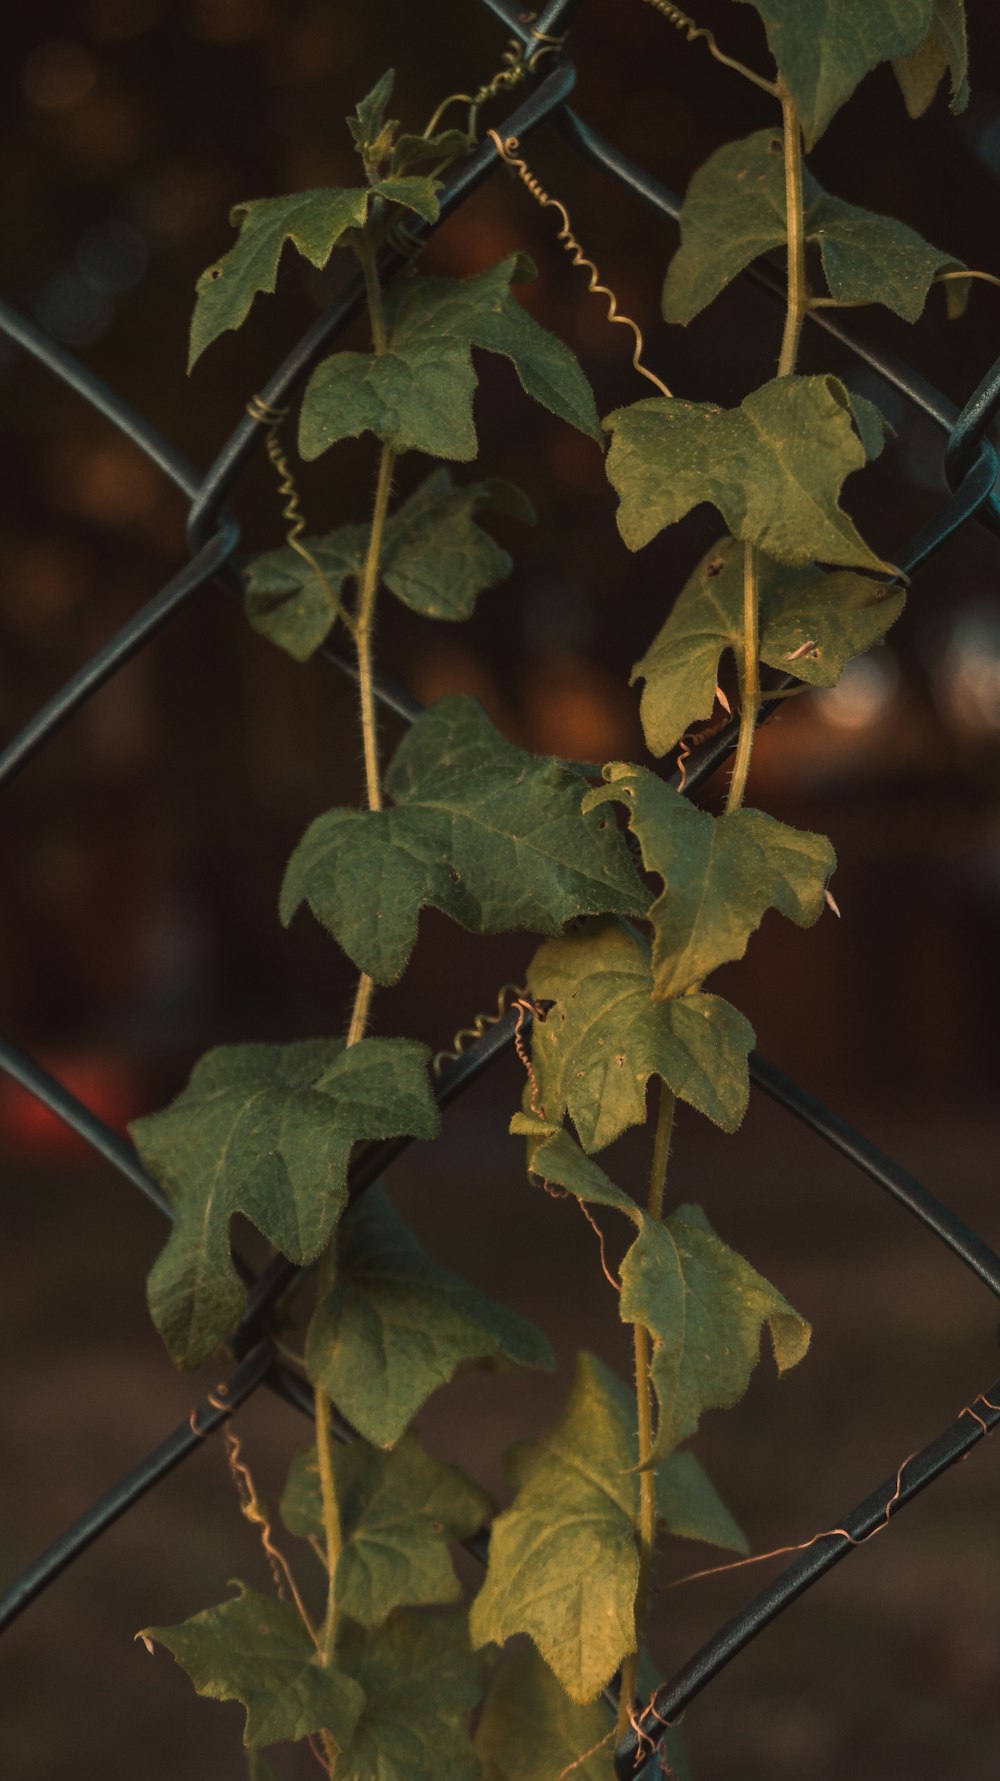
[144, 847]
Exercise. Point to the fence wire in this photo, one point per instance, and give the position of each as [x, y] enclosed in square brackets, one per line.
[971, 469]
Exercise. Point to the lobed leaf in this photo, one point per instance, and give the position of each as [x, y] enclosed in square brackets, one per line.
[774, 468]
[530, 1730]
[418, 394]
[830, 617]
[689, 1506]
[597, 1048]
[720, 874]
[266, 1130]
[398, 1511]
[553, 1156]
[824, 48]
[944, 50]
[295, 602]
[415, 192]
[420, 1677]
[735, 210]
[705, 1307]
[255, 1650]
[395, 1325]
[490, 835]
[312, 221]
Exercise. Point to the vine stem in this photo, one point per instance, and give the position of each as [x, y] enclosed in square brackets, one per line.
[749, 680]
[798, 290]
[642, 1347]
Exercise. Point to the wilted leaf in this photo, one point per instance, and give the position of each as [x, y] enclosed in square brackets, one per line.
[256, 1650]
[418, 394]
[266, 1130]
[837, 615]
[825, 47]
[774, 468]
[734, 211]
[398, 1511]
[597, 1048]
[312, 221]
[705, 1308]
[479, 829]
[396, 1325]
[720, 874]
[420, 1678]
[945, 50]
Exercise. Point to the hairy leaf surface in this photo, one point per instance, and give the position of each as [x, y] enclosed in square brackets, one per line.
[706, 1308]
[420, 1678]
[827, 617]
[396, 1325]
[398, 1511]
[266, 1130]
[490, 835]
[530, 1730]
[734, 211]
[418, 394]
[774, 468]
[255, 1649]
[720, 874]
[312, 221]
[554, 1156]
[597, 1048]
[945, 50]
[825, 47]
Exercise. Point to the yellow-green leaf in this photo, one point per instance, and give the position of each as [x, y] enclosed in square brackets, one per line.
[396, 1325]
[945, 50]
[266, 1130]
[720, 874]
[530, 1730]
[256, 1650]
[398, 1511]
[420, 1678]
[825, 47]
[811, 624]
[606, 1036]
[774, 468]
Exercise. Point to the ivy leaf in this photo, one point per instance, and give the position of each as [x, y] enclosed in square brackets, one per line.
[824, 48]
[398, 1511]
[294, 602]
[773, 467]
[735, 211]
[705, 1307]
[414, 193]
[396, 1325]
[553, 1156]
[829, 617]
[256, 1650]
[420, 1678]
[596, 1050]
[563, 1563]
[689, 1506]
[418, 394]
[720, 874]
[259, 1769]
[488, 834]
[312, 221]
[530, 1730]
[368, 122]
[425, 151]
[266, 1130]
[945, 50]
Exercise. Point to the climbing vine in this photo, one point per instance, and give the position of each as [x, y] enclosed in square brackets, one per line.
[637, 894]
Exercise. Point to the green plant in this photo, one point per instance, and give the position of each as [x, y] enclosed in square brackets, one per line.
[499, 840]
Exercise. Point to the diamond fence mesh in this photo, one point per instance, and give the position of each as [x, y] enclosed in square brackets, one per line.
[971, 468]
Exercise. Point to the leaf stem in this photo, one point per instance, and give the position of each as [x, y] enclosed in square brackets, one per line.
[749, 681]
[332, 1531]
[798, 290]
[642, 1347]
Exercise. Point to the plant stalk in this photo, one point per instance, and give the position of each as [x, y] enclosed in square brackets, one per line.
[333, 1538]
[643, 1348]
[749, 681]
[798, 290]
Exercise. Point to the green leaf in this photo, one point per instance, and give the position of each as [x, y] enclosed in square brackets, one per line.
[734, 211]
[706, 1308]
[836, 615]
[563, 1563]
[945, 50]
[398, 1511]
[266, 1130]
[488, 834]
[418, 394]
[427, 151]
[824, 48]
[396, 1325]
[312, 221]
[435, 558]
[553, 1156]
[720, 874]
[259, 1769]
[596, 1050]
[368, 122]
[773, 467]
[689, 1506]
[530, 1730]
[420, 1678]
[256, 1650]
[415, 193]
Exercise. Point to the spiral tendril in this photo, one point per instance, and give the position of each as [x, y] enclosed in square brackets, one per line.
[271, 418]
[467, 1036]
